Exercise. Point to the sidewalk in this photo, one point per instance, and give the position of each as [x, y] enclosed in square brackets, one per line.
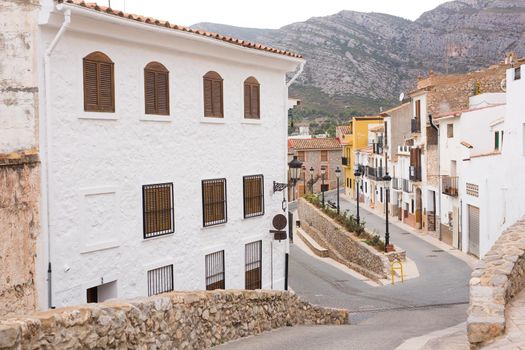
[470, 260]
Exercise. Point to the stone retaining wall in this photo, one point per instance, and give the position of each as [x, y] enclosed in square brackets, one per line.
[342, 245]
[499, 276]
[177, 320]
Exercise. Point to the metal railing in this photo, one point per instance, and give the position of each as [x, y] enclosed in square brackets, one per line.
[407, 186]
[450, 185]
[377, 147]
[415, 173]
[415, 125]
[374, 173]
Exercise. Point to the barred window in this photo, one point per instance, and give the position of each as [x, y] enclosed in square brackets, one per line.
[160, 280]
[253, 187]
[253, 265]
[215, 270]
[157, 206]
[214, 202]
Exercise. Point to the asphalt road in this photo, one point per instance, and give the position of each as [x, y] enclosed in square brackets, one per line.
[381, 317]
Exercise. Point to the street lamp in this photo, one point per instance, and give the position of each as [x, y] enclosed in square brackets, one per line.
[338, 173]
[323, 171]
[295, 172]
[312, 179]
[386, 183]
[357, 175]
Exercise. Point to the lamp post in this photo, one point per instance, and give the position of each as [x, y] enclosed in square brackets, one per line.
[386, 183]
[312, 179]
[323, 171]
[338, 174]
[295, 173]
[357, 175]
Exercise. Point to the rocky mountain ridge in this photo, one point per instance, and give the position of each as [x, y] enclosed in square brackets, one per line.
[361, 61]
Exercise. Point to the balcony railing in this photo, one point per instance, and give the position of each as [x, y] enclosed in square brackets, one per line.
[397, 183]
[415, 125]
[377, 147]
[344, 161]
[407, 186]
[415, 173]
[450, 185]
[374, 173]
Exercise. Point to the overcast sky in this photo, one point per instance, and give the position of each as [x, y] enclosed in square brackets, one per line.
[265, 13]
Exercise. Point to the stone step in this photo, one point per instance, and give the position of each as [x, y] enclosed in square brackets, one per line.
[312, 244]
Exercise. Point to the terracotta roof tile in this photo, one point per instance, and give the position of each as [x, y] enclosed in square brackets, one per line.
[344, 129]
[311, 144]
[153, 21]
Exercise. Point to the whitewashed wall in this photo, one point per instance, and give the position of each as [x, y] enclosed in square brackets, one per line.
[99, 162]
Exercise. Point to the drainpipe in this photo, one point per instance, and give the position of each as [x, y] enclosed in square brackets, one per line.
[45, 128]
[434, 126]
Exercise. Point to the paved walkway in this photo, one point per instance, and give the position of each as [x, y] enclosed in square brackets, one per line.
[381, 317]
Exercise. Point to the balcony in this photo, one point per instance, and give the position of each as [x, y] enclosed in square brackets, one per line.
[415, 125]
[377, 148]
[407, 186]
[344, 161]
[415, 173]
[397, 183]
[450, 185]
[374, 173]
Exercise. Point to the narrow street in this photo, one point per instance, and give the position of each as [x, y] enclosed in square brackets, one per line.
[381, 317]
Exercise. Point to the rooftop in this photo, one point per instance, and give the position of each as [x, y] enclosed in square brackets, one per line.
[152, 21]
[314, 144]
[344, 129]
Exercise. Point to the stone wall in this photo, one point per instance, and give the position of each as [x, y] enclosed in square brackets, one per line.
[19, 229]
[342, 245]
[177, 320]
[499, 276]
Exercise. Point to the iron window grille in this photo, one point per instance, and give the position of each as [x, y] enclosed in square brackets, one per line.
[253, 265]
[215, 270]
[214, 204]
[253, 189]
[160, 280]
[157, 210]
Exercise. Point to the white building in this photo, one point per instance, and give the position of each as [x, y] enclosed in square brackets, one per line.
[160, 145]
[491, 187]
[464, 137]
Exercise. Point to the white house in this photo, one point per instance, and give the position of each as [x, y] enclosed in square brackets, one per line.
[491, 187]
[160, 145]
[464, 137]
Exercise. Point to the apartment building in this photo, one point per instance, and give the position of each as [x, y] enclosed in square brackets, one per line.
[134, 200]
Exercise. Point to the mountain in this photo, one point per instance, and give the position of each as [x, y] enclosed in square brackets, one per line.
[357, 62]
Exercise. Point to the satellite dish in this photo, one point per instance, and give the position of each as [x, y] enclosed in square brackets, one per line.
[503, 85]
[401, 97]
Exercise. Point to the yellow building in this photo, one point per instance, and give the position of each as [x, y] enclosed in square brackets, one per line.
[354, 137]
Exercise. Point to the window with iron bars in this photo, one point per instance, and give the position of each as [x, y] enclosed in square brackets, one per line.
[214, 206]
[157, 210]
[253, 188]
[160, 280]
[215, 270]
[253, 265]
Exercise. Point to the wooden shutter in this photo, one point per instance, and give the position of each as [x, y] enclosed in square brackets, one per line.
[213, 95]
[149, 91]
[253, 195]
[158, 209]
[99, 84]
[418, 109]
[156, 89]
[214, 201]
[251, 98]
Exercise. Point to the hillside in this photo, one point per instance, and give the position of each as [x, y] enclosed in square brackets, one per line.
[357, 62]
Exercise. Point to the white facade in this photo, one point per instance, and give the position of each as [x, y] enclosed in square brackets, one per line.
[98, 162]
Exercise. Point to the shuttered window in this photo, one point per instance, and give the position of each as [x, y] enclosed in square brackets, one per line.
[251, 98]
[214, 202]
[324, 156]
[213, 96]
[156, 89]
[418, 109]
[215, 270]
[253, 265]
[99, 83]
[253, 187]
[157, 209]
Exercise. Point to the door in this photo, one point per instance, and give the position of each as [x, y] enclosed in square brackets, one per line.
[473, 230]
[455, 227]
